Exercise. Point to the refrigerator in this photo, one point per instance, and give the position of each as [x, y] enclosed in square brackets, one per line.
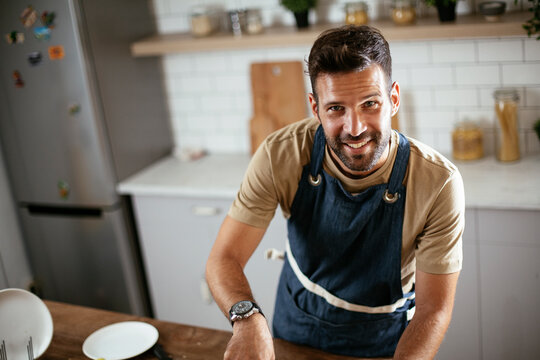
[78, 114]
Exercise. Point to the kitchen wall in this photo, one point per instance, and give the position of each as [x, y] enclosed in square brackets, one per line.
[442, 82]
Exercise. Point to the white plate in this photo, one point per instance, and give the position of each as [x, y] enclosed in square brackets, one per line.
[23, 314]
[121, 340]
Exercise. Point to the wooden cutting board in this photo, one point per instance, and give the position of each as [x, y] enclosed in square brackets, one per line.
[279, 98]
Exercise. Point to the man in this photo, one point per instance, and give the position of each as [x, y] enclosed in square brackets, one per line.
[374, 220]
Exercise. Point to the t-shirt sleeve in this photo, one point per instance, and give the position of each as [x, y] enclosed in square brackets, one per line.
[256, 201]
[439, 246]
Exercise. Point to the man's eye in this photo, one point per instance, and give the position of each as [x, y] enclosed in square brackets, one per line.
[335, 108]
[370, 104]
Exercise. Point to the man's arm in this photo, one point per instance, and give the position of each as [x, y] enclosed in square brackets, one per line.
[234, 245]
[434, 304]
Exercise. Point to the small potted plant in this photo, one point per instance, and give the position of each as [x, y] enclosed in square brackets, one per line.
[445, 8]
[300, 9]
[532, 26]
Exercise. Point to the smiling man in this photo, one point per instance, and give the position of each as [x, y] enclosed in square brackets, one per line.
[375, 220]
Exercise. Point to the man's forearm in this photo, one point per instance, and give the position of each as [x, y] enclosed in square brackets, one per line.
[227, 282]
[423, 336]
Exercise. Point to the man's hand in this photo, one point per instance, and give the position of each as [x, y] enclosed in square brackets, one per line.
[251, 340]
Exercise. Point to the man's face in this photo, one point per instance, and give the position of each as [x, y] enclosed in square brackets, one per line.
[355, 111]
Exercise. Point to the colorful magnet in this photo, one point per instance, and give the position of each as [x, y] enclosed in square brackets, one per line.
[74, 109]
[42, 33]
[34, 58]
[28, 16]
[47, 19]
[15, 37]
[56, 52]
[63, 189]
[18, 79]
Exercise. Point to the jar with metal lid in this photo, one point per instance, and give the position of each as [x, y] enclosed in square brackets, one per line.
[356, 13]
[403, 12]
[467, 141]
[204, 21]
[254, 21]
[506, 124]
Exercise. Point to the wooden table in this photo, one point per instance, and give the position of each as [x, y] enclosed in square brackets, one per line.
[73, 324]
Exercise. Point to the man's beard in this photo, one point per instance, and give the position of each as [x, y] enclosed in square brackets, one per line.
[361, 162]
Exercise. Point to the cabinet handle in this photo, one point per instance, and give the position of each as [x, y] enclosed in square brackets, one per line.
[205, 210]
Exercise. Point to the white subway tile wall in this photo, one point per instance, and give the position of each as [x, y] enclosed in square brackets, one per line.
[442, 82]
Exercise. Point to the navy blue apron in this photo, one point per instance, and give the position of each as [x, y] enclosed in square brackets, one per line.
[340, 287]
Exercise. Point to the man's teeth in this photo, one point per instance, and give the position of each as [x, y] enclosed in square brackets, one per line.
[358, 145]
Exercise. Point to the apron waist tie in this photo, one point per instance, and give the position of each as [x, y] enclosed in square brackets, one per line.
[340, 303]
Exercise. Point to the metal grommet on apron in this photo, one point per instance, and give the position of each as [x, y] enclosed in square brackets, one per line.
[340, 288]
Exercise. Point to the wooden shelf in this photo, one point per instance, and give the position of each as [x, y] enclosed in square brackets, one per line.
[470, 26]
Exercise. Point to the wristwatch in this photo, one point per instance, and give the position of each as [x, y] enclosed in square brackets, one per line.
[242, 310]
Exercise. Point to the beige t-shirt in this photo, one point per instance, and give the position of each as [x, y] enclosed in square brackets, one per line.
[434, 205]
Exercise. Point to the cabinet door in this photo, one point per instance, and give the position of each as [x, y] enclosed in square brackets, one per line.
[510, 283]
[462, 340]
[176, 235]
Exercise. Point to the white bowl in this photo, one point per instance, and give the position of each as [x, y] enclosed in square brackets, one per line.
[24, 315]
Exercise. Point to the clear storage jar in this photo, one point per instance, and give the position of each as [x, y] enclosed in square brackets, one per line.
[204, 21]
[506, 125]
[356, 13]
[403, 12]
[467, 141]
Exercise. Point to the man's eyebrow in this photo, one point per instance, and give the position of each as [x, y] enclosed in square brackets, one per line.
[337, 102]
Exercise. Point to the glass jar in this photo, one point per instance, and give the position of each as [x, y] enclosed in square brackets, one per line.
[467, 141]
[506, 125]
[254, 21]
[356, 13]
[403, 12]
[204, 21]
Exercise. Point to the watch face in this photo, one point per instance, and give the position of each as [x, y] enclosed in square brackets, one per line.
[242, 307]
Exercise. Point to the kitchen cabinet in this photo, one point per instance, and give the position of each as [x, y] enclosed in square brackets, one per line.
[176, 235]
[462, 340]
[509, 259]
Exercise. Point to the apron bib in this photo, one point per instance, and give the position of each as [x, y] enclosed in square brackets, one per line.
[340, 287]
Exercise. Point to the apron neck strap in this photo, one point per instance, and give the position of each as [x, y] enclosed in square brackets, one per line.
[400, 164]
[317, 154]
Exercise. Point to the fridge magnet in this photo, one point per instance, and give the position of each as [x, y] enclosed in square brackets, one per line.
[19, 83]
[34, 58]
[47, 19]
[63, 189]
[56, 52]
[28, 16]
[74, 109]
[15, 37]
[42, 33]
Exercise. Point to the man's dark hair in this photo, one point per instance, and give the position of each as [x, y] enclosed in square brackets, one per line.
[349, 48]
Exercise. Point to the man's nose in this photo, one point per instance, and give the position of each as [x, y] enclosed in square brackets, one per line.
[354, 125]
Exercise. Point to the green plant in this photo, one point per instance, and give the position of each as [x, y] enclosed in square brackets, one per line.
[536, 128]
[532, 26]
[299, 5]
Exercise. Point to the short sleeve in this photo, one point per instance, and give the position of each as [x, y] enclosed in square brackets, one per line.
[439, 246]
[256, 201]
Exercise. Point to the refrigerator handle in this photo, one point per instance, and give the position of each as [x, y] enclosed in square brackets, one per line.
[37, 210]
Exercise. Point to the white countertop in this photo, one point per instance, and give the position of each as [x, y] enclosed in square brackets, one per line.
[488, 183]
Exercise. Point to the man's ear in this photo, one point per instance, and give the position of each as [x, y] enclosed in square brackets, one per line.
[394, 97]
[313, 106]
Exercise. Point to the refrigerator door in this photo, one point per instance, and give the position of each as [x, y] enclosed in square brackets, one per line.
[52, 128]
[83, 256]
